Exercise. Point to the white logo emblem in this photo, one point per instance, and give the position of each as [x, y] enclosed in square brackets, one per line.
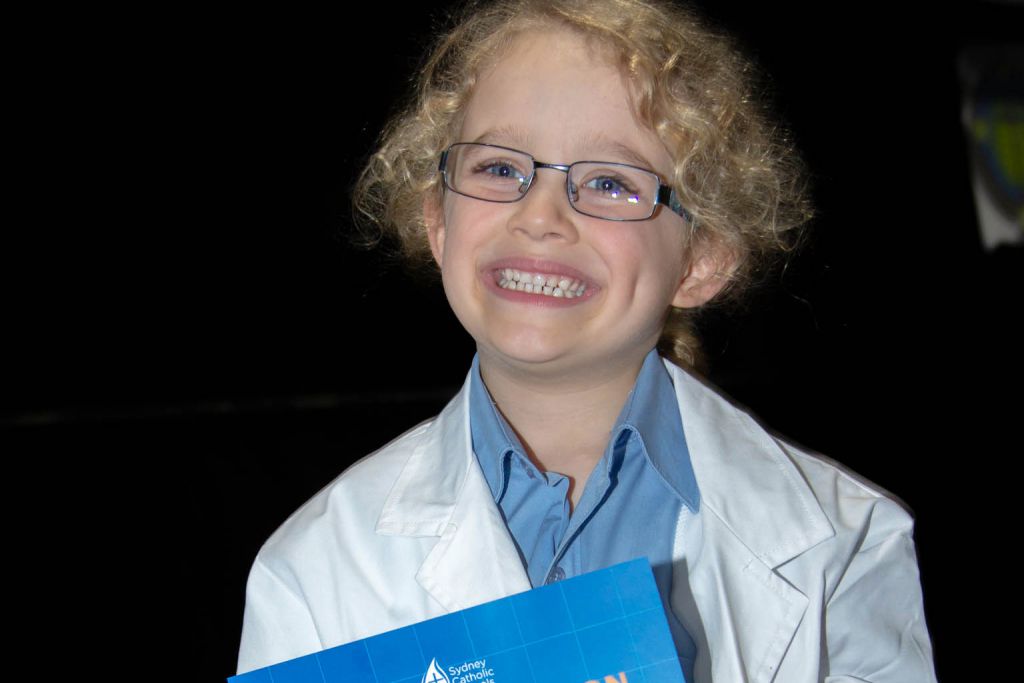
[435, 674]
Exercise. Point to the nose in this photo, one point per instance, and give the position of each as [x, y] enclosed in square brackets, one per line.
[544, 212]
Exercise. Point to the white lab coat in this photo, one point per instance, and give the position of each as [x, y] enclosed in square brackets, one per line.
[792, 570]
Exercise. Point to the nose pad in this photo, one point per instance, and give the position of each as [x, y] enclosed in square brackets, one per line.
[545, 212]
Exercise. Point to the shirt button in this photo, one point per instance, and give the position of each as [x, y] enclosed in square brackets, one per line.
[556, 574]
[530, 474]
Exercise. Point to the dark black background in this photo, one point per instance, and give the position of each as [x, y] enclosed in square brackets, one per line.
[192, 348]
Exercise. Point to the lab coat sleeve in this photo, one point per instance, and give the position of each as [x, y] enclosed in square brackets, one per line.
[875, 618]
[277, 625]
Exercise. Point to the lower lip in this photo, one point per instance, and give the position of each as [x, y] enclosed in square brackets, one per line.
[542, 300]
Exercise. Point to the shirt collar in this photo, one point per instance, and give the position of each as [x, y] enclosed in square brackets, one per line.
[651, 411]
[493, 438]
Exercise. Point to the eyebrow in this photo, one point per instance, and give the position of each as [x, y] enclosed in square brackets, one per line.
[615, 148]
[514, 136]
[504, 135]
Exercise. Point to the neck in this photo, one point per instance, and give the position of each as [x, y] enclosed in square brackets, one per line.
[564, 422]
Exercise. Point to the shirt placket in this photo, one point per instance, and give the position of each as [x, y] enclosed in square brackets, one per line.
[567, 560]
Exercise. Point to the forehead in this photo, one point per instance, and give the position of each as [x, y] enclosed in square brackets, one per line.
[561, 98]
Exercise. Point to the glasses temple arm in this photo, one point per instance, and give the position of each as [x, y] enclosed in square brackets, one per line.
[668, 197]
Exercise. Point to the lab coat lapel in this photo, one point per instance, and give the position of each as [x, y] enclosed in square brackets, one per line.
[756, 513]
[442, 492]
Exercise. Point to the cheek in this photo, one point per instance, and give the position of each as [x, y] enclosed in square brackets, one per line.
[465, 240]
[648, 258]
[455, 238]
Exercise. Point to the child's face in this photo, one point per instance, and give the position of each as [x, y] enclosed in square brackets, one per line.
[561, 102]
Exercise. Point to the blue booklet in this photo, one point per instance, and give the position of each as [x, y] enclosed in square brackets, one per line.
[607, 626]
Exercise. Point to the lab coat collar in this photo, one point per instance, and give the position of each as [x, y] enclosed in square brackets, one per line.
[442, 492]
[743, 473]
[757, 513]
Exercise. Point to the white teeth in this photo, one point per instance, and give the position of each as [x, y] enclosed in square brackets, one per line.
[540, 283]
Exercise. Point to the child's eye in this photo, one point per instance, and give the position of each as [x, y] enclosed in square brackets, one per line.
[500, 170]
[610, 187]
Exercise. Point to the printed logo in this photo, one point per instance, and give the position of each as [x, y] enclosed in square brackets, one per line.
[435, 674]
[475, 671]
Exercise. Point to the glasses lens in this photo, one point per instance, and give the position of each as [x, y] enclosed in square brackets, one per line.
[614, 191]
[488, 172]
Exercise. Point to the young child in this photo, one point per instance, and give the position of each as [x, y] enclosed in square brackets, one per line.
[584, 174]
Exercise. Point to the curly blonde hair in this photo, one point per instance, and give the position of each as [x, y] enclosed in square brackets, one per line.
[735, 169]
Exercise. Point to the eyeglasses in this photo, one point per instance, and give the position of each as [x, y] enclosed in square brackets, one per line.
[601, 189]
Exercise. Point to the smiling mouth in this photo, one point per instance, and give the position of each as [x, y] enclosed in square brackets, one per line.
[556, 286]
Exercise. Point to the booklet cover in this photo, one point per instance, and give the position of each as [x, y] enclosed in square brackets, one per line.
[607, 626]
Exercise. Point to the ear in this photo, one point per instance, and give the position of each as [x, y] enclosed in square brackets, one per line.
[707, 274]
[433, 219]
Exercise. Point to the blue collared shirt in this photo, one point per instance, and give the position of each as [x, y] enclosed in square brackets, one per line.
[629, 506]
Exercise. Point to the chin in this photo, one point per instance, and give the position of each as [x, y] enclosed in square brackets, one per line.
[526, 349]
[548, 355]
[525, 354]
